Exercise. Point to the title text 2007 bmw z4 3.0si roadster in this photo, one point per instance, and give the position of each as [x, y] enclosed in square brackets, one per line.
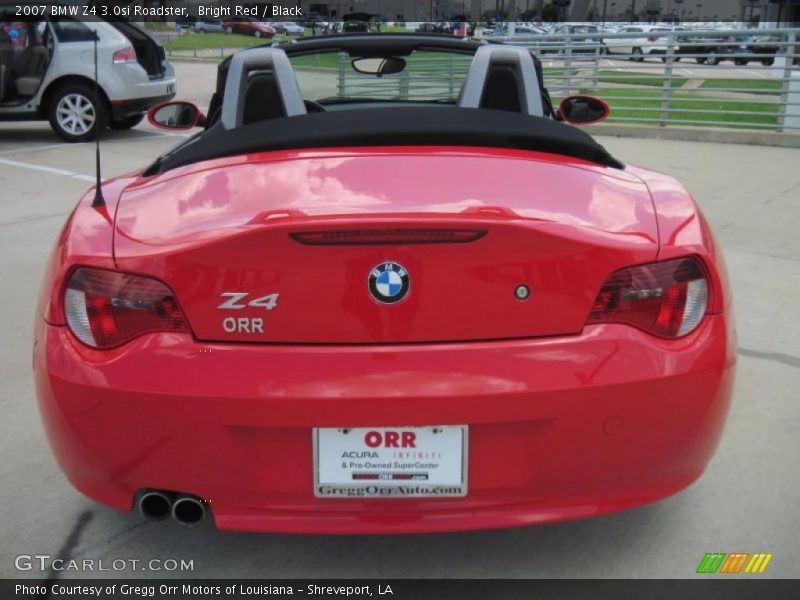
[384, 302]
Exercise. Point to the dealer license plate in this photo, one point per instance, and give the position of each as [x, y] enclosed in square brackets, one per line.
[390, 462]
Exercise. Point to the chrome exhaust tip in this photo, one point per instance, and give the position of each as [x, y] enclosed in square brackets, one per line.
[156, 506]
[188, 511]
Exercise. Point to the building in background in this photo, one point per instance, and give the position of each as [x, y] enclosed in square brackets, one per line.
[783, 12]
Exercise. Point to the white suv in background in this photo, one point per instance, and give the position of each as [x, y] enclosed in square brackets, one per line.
[47, 73]
[636, 48]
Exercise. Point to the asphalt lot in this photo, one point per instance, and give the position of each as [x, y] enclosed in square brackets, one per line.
[748, 500]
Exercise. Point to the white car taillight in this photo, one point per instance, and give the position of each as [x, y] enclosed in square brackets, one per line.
[126, 55]
[668, 299]
[105, 309]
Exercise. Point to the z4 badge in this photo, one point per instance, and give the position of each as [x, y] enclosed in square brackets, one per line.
[239, 301]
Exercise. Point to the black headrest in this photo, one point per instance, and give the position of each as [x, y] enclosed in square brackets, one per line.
[263, 99]
[502, 89]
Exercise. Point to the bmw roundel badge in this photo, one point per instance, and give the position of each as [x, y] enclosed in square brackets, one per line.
[389, 282]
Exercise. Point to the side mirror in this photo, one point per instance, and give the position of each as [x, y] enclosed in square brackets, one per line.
[583, 110]
[175, 115]
[389, 65]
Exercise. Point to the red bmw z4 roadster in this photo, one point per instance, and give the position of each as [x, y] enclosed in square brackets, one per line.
[378, 301]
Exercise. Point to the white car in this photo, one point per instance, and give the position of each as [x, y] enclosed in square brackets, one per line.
[47, 73]
[208, 27]
[290, 28]
[636, 47]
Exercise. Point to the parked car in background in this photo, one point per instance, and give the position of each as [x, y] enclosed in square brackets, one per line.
[519, 29]
[316, 22]
[767, 47]
[186, 23]
[637, 48]
[51, 75]
[248, 26]
[350, 26]
[288, 27]
[590, 44]
[713, 50]
[208, 27]
[528, 29]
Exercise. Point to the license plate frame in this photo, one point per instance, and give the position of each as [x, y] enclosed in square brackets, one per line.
[425, 483]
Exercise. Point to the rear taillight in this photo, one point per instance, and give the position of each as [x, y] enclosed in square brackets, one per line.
[106, 308]
[126, 55]
[652, 38]
[668, 299]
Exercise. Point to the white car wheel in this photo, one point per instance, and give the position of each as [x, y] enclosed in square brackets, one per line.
[75, 112]
[257, 34]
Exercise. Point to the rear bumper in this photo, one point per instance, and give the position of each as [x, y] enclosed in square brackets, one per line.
[131, 90]
[560, 428]
[128, 108]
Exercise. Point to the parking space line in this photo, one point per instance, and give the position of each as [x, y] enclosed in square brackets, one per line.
[31, 149]
[72, 174]
[53, 170]
[145, 135]
[60, 215]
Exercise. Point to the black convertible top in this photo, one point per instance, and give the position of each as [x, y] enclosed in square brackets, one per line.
[395, 126]
[379, 44]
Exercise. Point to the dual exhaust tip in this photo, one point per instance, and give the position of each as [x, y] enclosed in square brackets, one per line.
[158, 506]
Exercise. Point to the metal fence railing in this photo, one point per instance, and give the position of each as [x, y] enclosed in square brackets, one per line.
[722, 78]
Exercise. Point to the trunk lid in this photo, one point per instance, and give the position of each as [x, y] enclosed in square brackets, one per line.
[294, 238]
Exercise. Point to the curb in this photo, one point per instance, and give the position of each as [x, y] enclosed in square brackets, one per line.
[196, 59]
[692, 134]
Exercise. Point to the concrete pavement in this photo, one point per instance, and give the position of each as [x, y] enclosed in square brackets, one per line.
[748, 500]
